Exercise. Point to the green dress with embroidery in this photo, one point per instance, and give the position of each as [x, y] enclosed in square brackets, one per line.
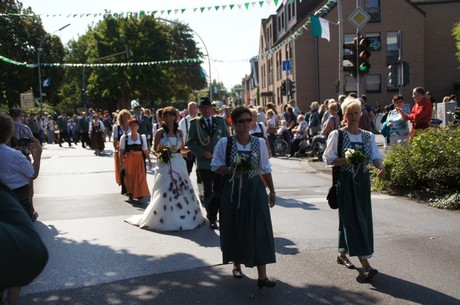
[246, 232]
[356, 236]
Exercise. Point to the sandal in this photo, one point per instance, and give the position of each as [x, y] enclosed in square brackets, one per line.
[265, 283]
[237, 273]
[370, 272]
[343, 260]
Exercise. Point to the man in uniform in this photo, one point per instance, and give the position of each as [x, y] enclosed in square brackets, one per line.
[203, 135]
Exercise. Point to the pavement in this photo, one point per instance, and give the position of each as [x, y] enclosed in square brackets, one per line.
[96, 258]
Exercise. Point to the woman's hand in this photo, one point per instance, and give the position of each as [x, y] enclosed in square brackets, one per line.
[272, 199]
[381, 171]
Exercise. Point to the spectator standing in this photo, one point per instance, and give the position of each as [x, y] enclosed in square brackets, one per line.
[395, 128]
[50, 129]
[261, 118]
[420, 115]
[72, 130]
[365, 119]
[108, 125]
[314, 124]
[271, 130]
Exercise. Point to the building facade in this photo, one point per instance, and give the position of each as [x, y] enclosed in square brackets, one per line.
[418, 33]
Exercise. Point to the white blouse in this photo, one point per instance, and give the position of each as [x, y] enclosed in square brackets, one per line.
[330, 154]
[130, 141]
[220, 150]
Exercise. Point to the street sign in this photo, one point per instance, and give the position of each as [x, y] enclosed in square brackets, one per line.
[27, 100]
[375, 44]
[359, 18]
[286, 65]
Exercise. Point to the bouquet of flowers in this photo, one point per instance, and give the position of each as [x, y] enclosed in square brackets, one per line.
[354, 157]
[165, 155]
[243, 165]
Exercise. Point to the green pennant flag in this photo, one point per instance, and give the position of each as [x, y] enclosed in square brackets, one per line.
[202, 9]
[169, 12]
[276, 2]
[320, 27]
[261, 3]
[154, 12]
[142, 13]
[182, 10]
[231, 6]
[217, 7]
[247, 5]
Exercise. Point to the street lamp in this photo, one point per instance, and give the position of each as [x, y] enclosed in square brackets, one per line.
[38, 60]
[207, 52]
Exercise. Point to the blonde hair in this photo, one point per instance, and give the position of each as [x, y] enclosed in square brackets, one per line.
[315, 105]
[333, 106]
[121, 114]
[350, 103]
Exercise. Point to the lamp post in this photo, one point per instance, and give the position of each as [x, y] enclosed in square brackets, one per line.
[204, 45]
[38, 61]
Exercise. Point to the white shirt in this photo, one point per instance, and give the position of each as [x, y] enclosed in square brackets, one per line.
[183, 124]
[220, 150]
[330, 153]
[15, 169]
[130, 141]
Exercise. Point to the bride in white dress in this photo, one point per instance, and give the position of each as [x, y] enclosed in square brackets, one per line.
[174, 205]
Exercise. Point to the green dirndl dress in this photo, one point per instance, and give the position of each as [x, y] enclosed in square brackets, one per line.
[246, 232]
[356, 235]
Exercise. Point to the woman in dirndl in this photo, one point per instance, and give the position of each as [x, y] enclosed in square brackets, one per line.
[133, 152]
[119, 129]
[246, 233]
[356, 233]
[97, 134]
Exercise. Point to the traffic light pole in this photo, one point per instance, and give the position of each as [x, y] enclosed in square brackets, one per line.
[359, 84]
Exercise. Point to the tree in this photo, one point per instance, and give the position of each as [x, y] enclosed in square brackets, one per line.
[456, 34]
[20, 38]
[148, 40]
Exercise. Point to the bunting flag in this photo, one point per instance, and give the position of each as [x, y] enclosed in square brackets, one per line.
[141, 13]
[320, 27]
[123, 64]
[47, 82]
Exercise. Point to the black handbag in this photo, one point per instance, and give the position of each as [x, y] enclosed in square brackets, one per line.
[332, 193]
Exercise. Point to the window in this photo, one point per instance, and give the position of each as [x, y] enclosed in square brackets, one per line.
[372, 7]
[393, 47]
[373, 83]
[350, 84]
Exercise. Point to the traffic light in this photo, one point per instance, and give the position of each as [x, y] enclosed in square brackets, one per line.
[406, 73]
[364, 54]
[349, 58]
[393, 75]
[292, 88]
[283, 88]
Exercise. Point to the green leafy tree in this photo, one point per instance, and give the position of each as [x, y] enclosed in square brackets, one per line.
[148, 40]
[20, 38]
[456, 34]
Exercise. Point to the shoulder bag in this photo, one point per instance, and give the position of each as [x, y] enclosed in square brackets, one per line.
[332, 194]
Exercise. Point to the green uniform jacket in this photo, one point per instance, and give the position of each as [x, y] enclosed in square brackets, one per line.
[200, 140]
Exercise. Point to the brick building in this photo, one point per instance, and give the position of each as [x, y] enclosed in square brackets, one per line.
[419, 32]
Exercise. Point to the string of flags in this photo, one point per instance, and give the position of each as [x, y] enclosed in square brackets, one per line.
[321, 12]
[124, 64]
[167, 12]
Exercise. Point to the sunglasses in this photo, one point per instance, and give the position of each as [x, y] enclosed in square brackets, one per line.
[241, 121]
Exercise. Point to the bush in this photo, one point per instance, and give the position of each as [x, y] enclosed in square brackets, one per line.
[429, 163]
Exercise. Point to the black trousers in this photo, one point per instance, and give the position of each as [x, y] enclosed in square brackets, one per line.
[84, 138]
[189, 160]
[212, 185]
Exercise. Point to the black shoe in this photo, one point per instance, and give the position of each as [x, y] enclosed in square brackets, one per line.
[266, 283]
[343, 260]
[237, 273]
[369, 273]
[213, 225]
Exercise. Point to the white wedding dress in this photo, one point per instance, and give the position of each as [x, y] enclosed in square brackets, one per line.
[174, 205]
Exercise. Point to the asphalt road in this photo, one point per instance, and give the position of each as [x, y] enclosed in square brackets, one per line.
[97, 258]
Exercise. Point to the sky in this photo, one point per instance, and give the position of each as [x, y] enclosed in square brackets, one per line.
[231, 36]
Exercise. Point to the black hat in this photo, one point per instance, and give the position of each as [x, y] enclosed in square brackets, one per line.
[204, 101]
[15, 112]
